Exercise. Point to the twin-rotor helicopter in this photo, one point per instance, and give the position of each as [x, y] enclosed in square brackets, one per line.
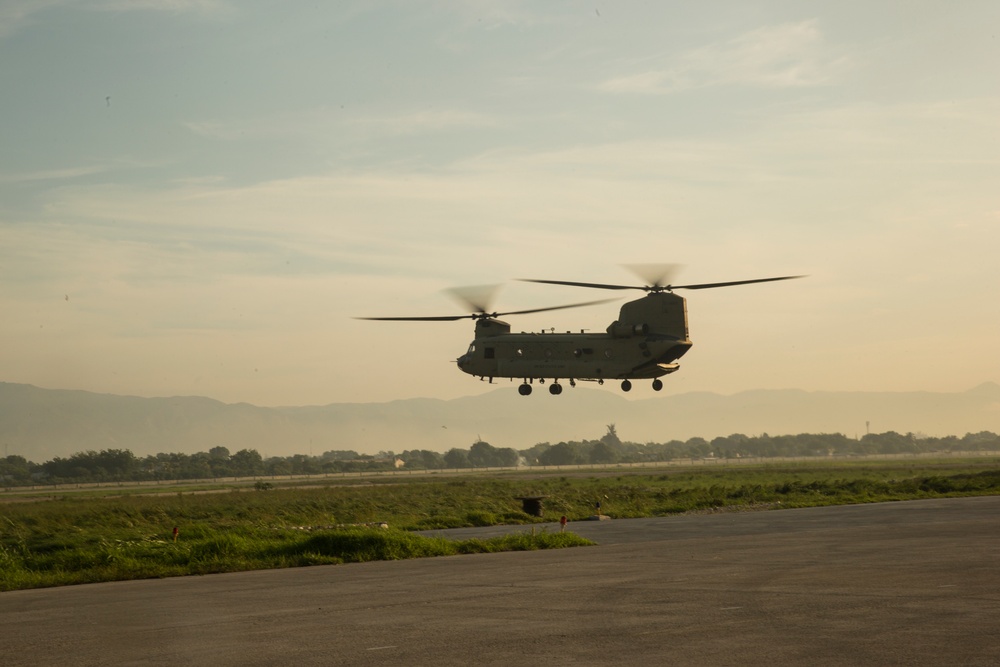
[644, 343]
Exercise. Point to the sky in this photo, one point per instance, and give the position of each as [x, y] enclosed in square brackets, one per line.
[197, 197]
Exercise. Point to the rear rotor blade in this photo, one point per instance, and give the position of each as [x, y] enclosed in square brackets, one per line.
[734, 282]
[576, 284]
[656, 275]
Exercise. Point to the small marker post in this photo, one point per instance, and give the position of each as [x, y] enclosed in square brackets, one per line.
[176, 532]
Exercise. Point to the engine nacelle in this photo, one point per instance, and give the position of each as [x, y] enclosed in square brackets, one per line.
[622, 330]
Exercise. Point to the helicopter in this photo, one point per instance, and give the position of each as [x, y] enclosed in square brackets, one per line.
[644, 343]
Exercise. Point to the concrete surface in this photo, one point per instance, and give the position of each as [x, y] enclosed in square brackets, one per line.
[912, 583]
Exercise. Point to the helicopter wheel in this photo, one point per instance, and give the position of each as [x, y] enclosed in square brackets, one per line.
[626, 385]
[657, 384]
[524, 389]
[555, 388]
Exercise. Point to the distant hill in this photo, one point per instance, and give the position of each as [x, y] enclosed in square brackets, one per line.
[41, 424]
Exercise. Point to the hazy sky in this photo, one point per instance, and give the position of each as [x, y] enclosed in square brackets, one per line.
[197, 196]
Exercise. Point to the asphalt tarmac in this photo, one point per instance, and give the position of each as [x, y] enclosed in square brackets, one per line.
[912, 583]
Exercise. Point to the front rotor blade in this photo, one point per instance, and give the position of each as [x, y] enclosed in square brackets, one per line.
[476, 298]
[575, 284]
[735, 282]
[542, 310]
[442, 318]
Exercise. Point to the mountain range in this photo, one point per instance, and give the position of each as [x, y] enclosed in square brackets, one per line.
[41, 424]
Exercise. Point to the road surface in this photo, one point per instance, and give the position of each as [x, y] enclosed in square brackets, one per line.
[910, 583]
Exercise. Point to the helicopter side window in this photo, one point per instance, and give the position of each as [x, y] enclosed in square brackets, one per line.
[489, 352]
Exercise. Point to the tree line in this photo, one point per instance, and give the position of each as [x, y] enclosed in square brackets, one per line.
[118, 465]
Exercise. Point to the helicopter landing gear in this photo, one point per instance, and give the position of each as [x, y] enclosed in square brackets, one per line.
[524, 389]
[657, 384]
[626, 385]
[555, 388]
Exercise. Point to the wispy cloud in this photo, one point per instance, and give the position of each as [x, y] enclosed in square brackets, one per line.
[781, 56]
[324, 122]
[420, 122]
[15, 14]
[173, 6]
[51, 174]
[807, 161]
[490, 14]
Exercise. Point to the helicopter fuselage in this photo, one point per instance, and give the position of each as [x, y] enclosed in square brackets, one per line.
[645, 342]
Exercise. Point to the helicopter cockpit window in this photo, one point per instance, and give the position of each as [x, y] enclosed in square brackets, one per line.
[472, 348]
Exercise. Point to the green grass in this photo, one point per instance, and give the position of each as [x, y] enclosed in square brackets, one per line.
[79, 539]
[75, 558]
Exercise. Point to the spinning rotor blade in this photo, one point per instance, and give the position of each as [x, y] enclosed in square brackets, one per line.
[476, 298]
[657, 283]
[443, 318]
[655, 275]
[542, 310]
[576, 284]
[735, 282]
[480, 314]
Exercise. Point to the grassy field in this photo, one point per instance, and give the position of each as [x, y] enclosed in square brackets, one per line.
[79, 538]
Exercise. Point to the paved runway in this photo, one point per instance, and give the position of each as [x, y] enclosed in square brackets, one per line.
[912, 583]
